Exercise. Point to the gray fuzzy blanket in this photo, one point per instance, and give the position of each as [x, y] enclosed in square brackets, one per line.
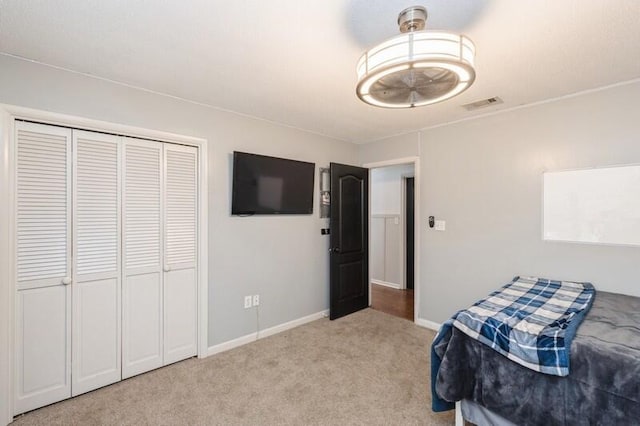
[603, 387]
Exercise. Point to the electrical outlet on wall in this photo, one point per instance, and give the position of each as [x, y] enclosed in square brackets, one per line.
[247, 302]
[256, 300]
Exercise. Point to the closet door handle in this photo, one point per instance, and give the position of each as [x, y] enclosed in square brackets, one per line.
[167, 268]
[66, 281]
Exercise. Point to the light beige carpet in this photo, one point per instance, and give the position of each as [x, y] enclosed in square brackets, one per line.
[367, 368]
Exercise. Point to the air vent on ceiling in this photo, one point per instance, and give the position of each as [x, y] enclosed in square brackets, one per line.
[482, 103]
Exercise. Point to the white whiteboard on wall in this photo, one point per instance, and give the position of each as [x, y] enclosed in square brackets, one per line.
[593, 206]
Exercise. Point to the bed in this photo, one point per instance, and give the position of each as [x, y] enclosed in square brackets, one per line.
[603, 387]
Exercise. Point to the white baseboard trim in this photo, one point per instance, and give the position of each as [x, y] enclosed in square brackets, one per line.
[292, 324]
[252, 337]
[428, 324]
[387, 284]
[231, 344]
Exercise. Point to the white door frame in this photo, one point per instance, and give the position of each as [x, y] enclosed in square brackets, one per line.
[8, 115]
[416, 255]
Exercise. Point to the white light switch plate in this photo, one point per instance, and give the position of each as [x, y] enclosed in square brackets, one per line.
[440, 225]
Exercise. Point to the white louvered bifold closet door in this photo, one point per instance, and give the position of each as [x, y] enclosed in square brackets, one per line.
[96, 283]
[105, 259]
[142, 327]
[43, 265]
[180, 278]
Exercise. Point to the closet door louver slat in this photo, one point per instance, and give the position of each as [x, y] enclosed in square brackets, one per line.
[96, 204]
[181, 206]
[42, 203]
[143, 205]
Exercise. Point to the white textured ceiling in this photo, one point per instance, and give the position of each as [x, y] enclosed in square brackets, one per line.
[293, 61]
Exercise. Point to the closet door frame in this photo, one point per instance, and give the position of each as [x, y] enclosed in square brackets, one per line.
[8, 116]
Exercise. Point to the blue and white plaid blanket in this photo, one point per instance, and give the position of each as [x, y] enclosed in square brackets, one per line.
[531, 321]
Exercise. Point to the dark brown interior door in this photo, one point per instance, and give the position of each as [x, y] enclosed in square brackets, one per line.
[349, 252]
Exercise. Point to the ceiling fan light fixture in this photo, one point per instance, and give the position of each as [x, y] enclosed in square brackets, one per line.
[417, 67]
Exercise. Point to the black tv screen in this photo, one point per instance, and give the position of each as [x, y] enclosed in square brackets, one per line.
[270, 185]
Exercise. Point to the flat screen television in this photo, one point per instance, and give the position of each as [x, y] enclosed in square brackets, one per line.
[270, 185]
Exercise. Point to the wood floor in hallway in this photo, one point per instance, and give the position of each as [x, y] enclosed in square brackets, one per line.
[392, 301]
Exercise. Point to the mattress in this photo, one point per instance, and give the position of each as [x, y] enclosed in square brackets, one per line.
[478, 415]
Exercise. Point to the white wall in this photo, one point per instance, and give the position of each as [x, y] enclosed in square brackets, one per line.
[484, 177]
[403, 146]
[282, 258]
[386, 188]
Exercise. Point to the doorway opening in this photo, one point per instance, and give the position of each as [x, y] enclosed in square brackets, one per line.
[392, 252]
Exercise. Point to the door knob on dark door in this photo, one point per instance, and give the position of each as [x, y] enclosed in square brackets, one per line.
[334, 250]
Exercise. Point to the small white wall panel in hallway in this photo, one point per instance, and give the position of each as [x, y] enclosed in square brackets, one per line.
[96, 285]
[393, 250]
[142, 332]
[377, 260]
[43, 266]
[386, 250]
[180, 283]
